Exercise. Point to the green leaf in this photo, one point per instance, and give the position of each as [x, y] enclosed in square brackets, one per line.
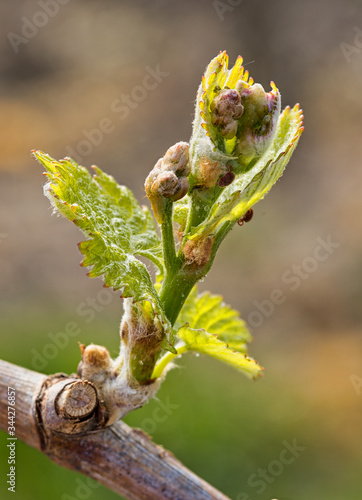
[209, 312]
[204, 342]
[144, 235]
[250, 187]
[117, 226]
[206, 324]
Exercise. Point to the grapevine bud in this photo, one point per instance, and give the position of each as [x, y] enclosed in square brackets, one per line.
[165, 184]
[182, 188]
[198, 252]
[235, 122]
[168, 178]
[177, 159]
[96, 363]
[257, 126]
[152, 176]
[226, 108]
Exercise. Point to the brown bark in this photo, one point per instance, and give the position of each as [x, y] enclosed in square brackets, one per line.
[121, 458]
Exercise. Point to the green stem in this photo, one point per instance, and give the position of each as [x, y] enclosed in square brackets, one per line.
[168, 240]
[176, 285]
[201, 203]
[180, 278]
[175, 290]
[163, 362]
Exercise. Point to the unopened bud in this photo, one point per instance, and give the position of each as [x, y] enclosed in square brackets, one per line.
[152, 176]
[177, 159]
[168, 178]
[96, 361]
[258, 123]
[235, 118]
[255, 102]
[165, 184]
[182, 188]
[97, 356]
[198, 252]
[226, 109]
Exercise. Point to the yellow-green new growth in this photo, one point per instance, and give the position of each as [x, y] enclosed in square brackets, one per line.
[240, 135]
[240, 145]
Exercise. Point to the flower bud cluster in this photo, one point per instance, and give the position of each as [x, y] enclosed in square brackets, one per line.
[235, 122]
[226, 108]
[245, 113]
[168, 178]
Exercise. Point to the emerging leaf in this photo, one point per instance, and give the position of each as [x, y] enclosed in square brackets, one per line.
[206, 324]
[204, 342]
[210, 313]
[252, 186]
[117, 226]
[237, 115]
[235, 122]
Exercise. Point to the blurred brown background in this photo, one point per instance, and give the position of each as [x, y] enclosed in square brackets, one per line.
[64, 68]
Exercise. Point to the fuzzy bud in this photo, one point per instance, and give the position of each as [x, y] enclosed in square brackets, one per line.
[235, 120]
[182, 188]
[177, 159]
[152, 176]
[198, 252]
[168, 178]
[258, 123]
[226, 109]
[97, 356]
[96, 363]
[165, 184]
